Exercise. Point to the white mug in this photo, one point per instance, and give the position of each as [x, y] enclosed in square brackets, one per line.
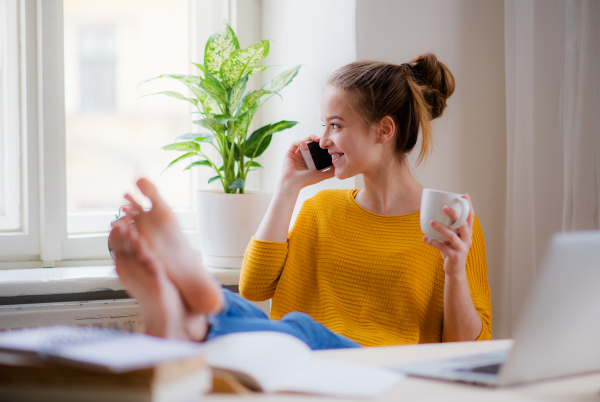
[432, 202]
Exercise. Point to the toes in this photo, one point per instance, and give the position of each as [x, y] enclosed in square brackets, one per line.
[115, 238]
[147, 257]
[135, 207]
[150, 191]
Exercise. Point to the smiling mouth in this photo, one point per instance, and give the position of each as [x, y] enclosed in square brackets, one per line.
[336, 156]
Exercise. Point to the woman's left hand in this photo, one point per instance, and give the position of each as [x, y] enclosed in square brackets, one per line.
[456, 246]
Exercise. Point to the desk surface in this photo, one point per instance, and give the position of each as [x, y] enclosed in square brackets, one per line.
[572, 389]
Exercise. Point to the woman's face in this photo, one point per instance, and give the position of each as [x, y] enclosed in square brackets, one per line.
[353, 147]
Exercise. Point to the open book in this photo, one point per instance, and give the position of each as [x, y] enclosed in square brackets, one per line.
[278, 362]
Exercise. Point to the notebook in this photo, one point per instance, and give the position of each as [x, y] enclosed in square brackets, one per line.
[96, 348]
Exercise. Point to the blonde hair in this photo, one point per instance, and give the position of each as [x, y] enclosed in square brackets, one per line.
[412, 94]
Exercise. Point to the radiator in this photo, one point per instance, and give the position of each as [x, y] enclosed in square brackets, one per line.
[123, 314]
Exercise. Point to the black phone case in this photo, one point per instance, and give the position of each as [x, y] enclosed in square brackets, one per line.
[319, 155]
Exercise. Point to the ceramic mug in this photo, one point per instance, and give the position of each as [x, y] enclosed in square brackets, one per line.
[432, 202]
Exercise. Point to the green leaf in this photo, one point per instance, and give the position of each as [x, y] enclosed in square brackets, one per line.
[190, 81]
[282, 80]
[211, 105]
[201, 67]
[175, 76]
[255, 147]
[219, 48]
[202, 162]
[224, 118]
[197, 137]
[183, 146]
[175, 95]
[253, 164]
[198, 93]
[208, 76]
[215, 90]
[253, 99]
[260, 139]
[213, 179]
[282, 125]
[240, 127]
[277, 84]
[237, 184]
[186, 79]
[184, 156]
[257, 69]
[211, 124]
[236, 94]
[242, 61]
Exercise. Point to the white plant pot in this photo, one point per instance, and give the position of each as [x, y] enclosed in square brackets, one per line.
[226, 223]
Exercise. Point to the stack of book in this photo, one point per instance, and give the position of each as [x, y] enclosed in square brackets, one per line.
[91, 364]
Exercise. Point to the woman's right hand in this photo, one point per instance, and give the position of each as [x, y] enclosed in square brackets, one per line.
[295, 175]
[295, 172]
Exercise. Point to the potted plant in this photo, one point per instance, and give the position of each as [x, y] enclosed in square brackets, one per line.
[227, 219]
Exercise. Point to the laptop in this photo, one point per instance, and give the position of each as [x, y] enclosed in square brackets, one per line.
[558, 332]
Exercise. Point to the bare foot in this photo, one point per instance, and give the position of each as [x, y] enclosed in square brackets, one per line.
[144, 276]
[160, 228]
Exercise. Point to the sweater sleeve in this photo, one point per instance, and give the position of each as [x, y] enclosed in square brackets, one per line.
[264, 260]
[478, 281]
[261, 269]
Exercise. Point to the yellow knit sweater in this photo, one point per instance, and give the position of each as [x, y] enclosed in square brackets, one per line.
[366, 276]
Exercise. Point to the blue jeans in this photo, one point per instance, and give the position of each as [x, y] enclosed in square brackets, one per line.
[239, 315]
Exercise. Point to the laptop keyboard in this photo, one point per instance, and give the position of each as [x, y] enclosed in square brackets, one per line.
[489, 369]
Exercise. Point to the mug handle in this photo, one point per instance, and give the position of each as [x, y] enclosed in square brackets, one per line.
[464, 214]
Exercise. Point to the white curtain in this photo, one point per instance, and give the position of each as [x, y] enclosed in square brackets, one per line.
[552, 55]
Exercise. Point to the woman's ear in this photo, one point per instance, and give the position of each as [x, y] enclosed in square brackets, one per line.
[386, 130]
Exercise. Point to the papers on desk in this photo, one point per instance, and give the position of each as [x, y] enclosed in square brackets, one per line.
[278, 362]
[96, 348]
[262, 361]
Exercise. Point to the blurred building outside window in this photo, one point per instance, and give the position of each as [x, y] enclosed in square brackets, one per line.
[114, 134]
[98, 69]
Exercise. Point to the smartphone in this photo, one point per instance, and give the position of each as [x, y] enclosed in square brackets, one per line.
[316, 158]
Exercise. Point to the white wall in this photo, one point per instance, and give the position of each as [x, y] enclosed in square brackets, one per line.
[470, 138]
[320, 35]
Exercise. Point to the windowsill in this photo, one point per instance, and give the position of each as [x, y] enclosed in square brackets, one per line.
[50, 281]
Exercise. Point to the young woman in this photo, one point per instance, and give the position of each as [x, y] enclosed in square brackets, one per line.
[355, 269]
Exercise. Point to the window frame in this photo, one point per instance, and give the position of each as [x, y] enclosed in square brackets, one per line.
[21, 248]
[10, 221]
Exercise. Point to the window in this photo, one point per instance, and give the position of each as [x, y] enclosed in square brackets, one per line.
[75, 130]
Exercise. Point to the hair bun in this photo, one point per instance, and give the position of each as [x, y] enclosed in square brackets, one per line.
[431, 73]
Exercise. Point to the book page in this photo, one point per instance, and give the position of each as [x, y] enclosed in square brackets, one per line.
[333, 378]
[268, 357]
[279, 362]
[34, 339]
[98, 348]
[125, 353]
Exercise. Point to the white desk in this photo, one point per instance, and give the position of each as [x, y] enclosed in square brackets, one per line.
[573, 389]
